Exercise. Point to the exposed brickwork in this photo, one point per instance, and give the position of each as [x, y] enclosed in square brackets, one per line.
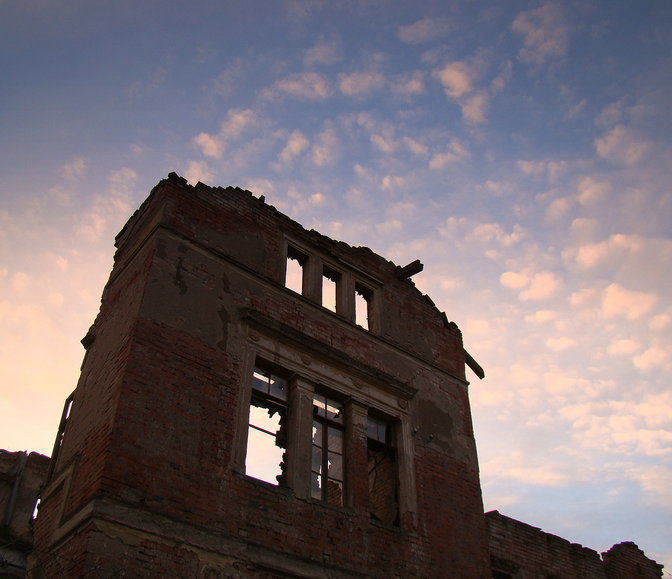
[520, 551]
[150, 474]
[628, 561]
[21, 478]
[148, 477]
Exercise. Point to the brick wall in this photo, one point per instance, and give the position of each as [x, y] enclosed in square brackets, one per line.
[150, 474]
[627, 561]
[521, 551]
[21, 478]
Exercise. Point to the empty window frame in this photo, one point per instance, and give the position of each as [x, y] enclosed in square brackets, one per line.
[382, 467]
[67, 408]
[267, 428]
[327, 450]
[363, 300]
[294, 269]
[330, 288]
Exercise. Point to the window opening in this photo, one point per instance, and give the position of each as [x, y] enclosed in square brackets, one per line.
[67, 407]
[327, 459]
[330, 280]
[296, 261]
[267, 428]
[382, 460]
[362, 306]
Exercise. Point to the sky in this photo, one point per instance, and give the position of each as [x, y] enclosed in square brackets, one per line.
[520, 149]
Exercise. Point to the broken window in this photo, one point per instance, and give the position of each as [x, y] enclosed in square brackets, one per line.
[267, 428]
[67, 407]
[330, 280]
[327, 453]
[363, 297]
[382, 460]
[296, 261]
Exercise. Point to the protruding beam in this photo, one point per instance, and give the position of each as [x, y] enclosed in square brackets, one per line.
[409, 270]
[474, 365]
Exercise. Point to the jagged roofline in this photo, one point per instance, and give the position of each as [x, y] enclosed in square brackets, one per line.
[402, 273]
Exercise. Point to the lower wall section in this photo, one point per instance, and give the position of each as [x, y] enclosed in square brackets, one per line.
[520, 551]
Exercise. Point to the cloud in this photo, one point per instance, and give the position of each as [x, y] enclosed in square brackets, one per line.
[236, 123]
[297, 143]
[198, 171]
[545, 169]
[55, 299]
[326, 52]
[616, 247]
[561, 344]
[325, 150]
[74, 168]
[514, 280]
[423, 31]
[538, 317]
[623, 427]
[415, 147]
[121, 182]
[660, 322]
[310, 86]
[558, 208]
[109, 209]
[456, 78]
[653, 357]
[361, 83]
[489, 232]
[392, 182]
[408, 85]
[622, 146]
[20, 282]
[544, 33]
[592, 191]
[384, 143]
[622, 347]
[516, 467]
[620, 302]
[210, 146]
[455, 152]
[656, 481]
[226, 81]
[542, 285]
[475, 107]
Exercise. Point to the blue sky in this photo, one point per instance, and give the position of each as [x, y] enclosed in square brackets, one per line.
[520, 150]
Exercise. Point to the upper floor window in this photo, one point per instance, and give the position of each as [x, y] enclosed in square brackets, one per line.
[338, 290]
[363, 297]
[267, 428]
[330, 282]
[294, 269]
[327, 450]
[382, 459]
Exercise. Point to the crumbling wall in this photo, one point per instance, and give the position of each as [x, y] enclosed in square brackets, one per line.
[520, 551]
[627, 561]
[21, 478]
[151, 469]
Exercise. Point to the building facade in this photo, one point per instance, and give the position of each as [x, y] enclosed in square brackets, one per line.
[259, 400]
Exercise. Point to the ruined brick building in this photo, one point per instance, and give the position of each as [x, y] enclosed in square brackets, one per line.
[22, 475]
[259, 400]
